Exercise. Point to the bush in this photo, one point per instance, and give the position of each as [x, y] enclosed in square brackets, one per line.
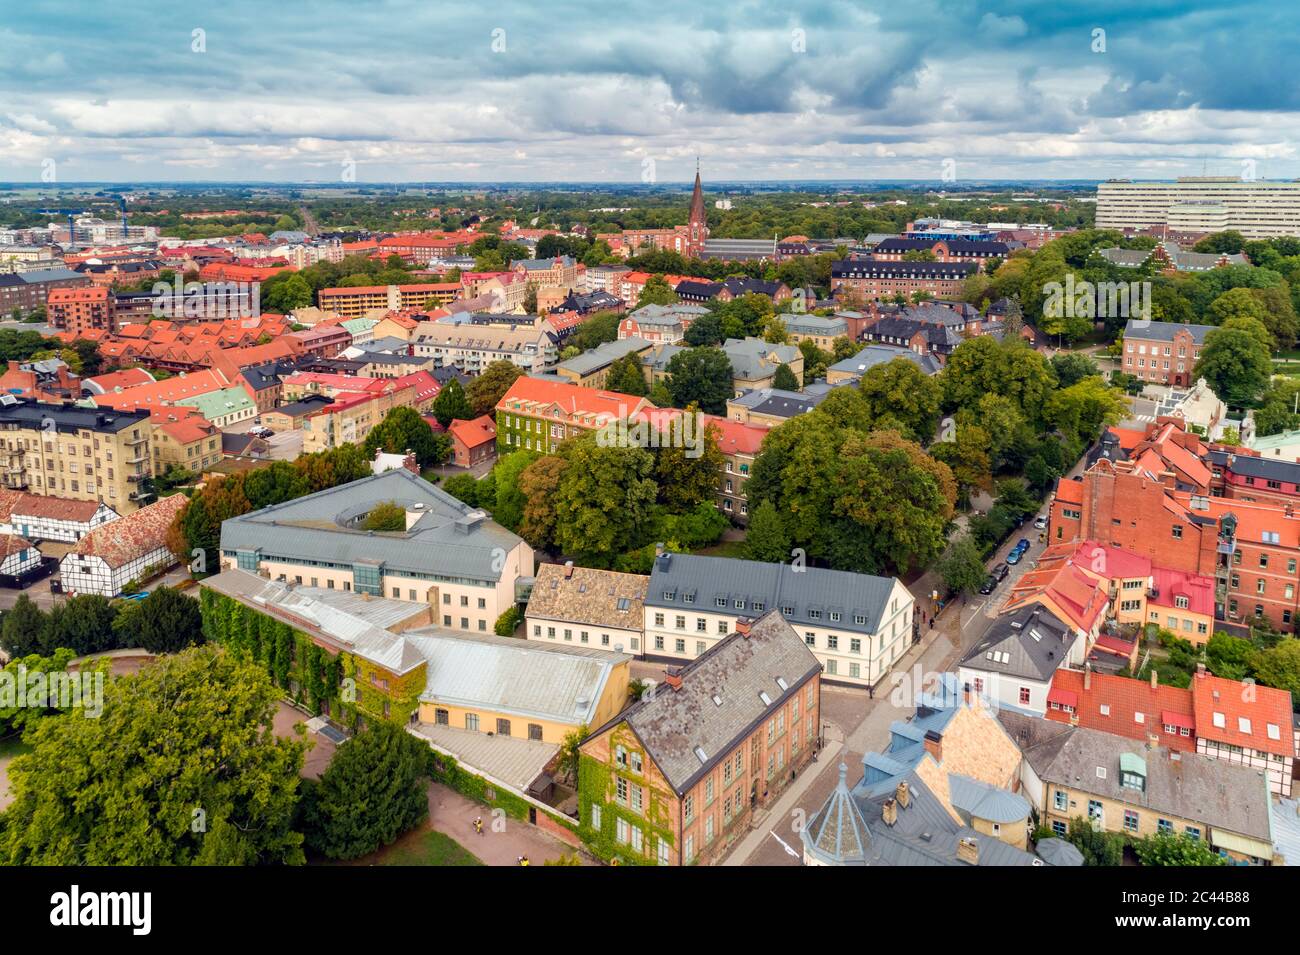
[508, 622]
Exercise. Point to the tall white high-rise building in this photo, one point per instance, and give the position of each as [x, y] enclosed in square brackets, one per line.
[1257, 208]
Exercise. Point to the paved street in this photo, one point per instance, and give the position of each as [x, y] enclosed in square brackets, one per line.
[856, 724]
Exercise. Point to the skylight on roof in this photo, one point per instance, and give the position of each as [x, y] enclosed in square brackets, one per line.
[702, 756]
[780, 681]
[762, 695]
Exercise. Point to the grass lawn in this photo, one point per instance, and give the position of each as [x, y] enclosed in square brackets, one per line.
[428, 847]
[723, 549]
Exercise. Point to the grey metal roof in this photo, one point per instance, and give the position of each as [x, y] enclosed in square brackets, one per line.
[705, 580]
[1031, 643]
[874, 355]
[837, 834]
[1138, 329]
[505, 674]
[815, 325]
[49, 275]
[1270, 469]
[602, 356]
[778, 402]
[978, 800]
[676, 726]
[668, 314]
[1058, 852]
[1186, 785]
[70, 418]
[753, 358]
[452, 539]
[926, 834]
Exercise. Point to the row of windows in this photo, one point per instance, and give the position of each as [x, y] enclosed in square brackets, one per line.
[442, 717]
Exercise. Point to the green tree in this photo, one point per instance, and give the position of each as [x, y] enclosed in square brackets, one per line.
[1072, 367]
[687, 478]
[900, 391]
[1279, 666]
[657, 291]
[705, 330]
[22, 627]
[784, 378]
[402, 430]
[509, 500]
[962, 568]
[489, 387]
[1099, 848]
[540, 483]
[166, 621]
[1167, 848]
[604, 499]
[386, 516]
[766, 538]
[508, 622]
[1235, 365]
[626, 376]
[451, 404]
[373, 791]
[700, 376]
[191, 741]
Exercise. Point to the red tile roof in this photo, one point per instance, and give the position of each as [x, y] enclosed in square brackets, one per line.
[1124, 698]
[1252, 716]
[474, 433]
[571, 399]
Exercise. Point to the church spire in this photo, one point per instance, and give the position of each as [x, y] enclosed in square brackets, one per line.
[698, 218]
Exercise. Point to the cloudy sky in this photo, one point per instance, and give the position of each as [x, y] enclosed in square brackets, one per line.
[565, 90]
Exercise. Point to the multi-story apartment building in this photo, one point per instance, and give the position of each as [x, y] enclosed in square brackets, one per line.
[857, 625]
[25, 291]
[1163, 352]
[472, 346]
[78, 310]
[660, 324]
[943, 250]
[1258, 209]
[876, 279]
[450, 556]
[1122, 787]
[676, 778]
[84, 454]
[183, 438]
[559, 272]
[821, 331]
[356, 302]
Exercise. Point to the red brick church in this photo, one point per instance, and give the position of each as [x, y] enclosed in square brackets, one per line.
[687, 240]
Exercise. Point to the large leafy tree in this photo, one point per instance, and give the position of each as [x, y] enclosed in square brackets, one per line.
[21, 630]
[402, 430]
[1176, 849]
[373, 791]
[688, 476]
[700, 376]
[962, 568]
[657, 291]
[907, 397]
[539, 483]
[452, 404]
[626, 377]
[1235, 364]
[488, 388]
[604, 500]
[181, 768]
[166, 621]
[766, 538]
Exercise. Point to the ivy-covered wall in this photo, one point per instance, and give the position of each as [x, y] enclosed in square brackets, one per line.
[310, 675]
[597, 772]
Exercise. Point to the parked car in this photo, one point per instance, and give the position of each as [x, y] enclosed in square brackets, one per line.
[140, 596]
[1022, 545]
[1001, 571]
[990, 582]
[1014, 556]
[1040, 522]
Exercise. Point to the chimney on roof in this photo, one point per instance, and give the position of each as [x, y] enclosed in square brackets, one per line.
[966, 693]
[568, 569]
[1155, 679]
[889, 812]
[1087, 675]
[1200, 670]
[673, 680]
[968, 851]
[934, 745]
[903, 795]
[742, 626]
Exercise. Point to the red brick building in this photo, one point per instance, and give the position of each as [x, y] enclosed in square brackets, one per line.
[80, 309]
[473, 441]
[877, 279]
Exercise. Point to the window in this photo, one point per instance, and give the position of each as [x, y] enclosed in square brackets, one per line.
[620, 790]
[638, 795]
[1164, 826]
[688, 813]
[622, 831]
[535, 731]
[663, 851]
[635, 761]
[620, 756]
[471, 721]
[1130, 820]
[1061, 801]
[1058, 828]
[1095, 812]
[1193, 833]
[1024, 695]
[595, 816]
